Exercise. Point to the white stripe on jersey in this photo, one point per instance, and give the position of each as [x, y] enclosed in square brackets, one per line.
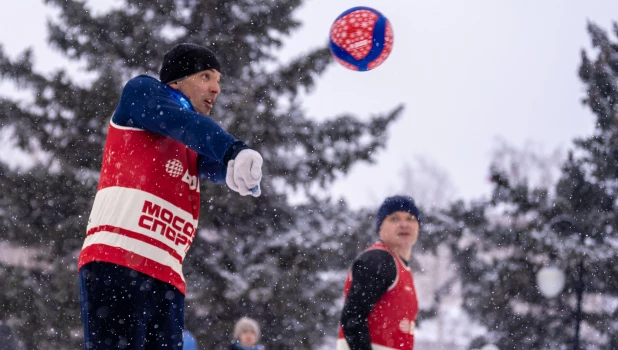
[124, 127]
[122, 207]
[127, 243]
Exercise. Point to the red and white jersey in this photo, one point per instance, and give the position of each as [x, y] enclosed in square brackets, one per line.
[146, 209]
[392, 320]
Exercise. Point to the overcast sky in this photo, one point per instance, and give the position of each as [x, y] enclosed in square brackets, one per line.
[468, 72]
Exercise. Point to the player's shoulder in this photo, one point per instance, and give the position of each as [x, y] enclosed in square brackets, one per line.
[374, 253]
[375, 257]
[142, 82]
[146, 79]
[373, 263]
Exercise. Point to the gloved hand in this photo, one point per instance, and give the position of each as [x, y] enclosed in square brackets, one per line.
[244, 173]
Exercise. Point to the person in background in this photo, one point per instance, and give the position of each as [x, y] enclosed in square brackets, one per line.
[380, 305]
[246, 335]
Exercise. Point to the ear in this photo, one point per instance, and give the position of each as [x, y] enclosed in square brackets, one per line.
[174, 85]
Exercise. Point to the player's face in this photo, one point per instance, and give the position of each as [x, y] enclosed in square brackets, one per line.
[201, 88]
[247, 338]
[399, 231]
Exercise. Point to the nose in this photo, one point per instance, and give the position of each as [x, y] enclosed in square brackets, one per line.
[405, 223]
[215, 88]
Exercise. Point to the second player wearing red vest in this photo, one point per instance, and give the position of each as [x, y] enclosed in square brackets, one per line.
[380, 299]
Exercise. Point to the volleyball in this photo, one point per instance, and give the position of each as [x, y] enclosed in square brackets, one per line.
[361, 38]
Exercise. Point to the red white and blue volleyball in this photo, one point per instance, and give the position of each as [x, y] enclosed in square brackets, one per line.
[361, 38]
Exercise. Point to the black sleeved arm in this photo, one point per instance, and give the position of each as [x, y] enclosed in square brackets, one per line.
[372, 274]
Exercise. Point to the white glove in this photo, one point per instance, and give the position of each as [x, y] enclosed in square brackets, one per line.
[244, 173]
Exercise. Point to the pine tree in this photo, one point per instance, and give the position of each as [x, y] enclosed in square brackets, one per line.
[500, 244]
[262, 257]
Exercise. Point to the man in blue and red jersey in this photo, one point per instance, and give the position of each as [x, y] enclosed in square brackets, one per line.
[145, 213]
[380, 306]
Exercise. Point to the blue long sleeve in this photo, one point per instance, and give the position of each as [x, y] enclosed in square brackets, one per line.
[145, 103]
[213, 170]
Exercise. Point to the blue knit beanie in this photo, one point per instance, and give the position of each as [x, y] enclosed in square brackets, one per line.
[397, 203]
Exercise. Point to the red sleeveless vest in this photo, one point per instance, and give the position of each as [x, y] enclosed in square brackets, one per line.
[145, 212]
[392, 320]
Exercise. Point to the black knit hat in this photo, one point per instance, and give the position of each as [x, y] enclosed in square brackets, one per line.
[186, 59]
[397, 203]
